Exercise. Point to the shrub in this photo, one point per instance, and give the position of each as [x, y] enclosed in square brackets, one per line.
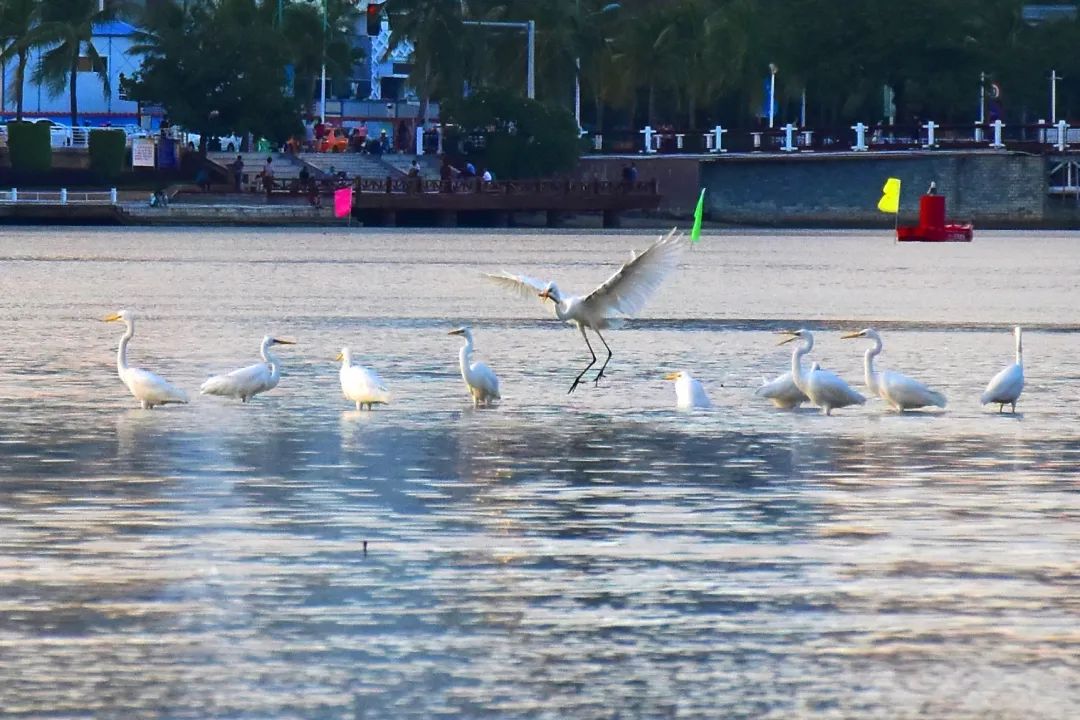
[107, 151]
[30, 146]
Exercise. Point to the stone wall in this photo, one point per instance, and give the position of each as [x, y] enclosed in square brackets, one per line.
[987, 188]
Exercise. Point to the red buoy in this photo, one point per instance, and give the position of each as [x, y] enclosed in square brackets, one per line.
[932, 226]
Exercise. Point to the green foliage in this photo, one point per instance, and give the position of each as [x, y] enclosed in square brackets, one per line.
[30, 146]
[217, 68]
[107, 152]
[521, 138]
[66, 33]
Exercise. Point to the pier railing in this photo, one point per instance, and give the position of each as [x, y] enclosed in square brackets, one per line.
[63, 196]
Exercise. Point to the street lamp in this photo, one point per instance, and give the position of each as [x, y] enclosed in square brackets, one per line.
[772, 92]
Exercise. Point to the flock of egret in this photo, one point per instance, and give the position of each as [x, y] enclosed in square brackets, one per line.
[622, 295]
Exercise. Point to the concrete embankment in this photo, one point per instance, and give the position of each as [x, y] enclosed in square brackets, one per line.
[990, 188]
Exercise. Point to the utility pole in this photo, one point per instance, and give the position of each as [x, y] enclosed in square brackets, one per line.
[1054, 77]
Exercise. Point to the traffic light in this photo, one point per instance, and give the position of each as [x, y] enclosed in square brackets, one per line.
[374, 18]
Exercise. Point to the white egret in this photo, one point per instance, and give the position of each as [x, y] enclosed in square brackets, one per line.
[898, 390]
[689, 392]
[1005, 387]
[622, 295]
[481, 381]
[825, 389]
[247, 382]
[149, 389]
[361, 385]
[783, 391]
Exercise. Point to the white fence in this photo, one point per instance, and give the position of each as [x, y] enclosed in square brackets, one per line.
[57, 197]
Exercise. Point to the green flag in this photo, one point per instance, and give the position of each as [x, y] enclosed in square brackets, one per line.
[695, 233]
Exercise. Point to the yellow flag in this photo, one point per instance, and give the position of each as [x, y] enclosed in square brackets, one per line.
[890, 196]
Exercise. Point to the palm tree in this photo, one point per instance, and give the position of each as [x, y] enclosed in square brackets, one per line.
[67, 29]
[435, 29]
[18, 19]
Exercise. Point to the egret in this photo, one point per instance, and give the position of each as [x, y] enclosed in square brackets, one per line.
[898, 390]
[360, 384]
[247, 382]
[622, 295]
[149, 389]
[481, 381]
[689, 392]
[825, 389]
[783, 391]
[1006, 386]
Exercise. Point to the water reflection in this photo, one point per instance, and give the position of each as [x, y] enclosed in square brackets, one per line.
[594, 556]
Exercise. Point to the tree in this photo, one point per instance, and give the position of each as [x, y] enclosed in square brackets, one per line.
[522, 138]
[311, 42]
[435, 29]
[67, 29]
[216, 68]
[18, 20]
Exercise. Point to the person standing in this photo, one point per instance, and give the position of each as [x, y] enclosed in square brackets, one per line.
[268, 176]
[238, 173]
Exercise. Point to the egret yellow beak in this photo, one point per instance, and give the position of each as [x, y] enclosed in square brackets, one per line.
[339, 357]
[672, 376]
[111, 318]
[851, 336]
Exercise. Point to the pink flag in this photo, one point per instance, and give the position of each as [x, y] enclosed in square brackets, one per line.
[342, 202]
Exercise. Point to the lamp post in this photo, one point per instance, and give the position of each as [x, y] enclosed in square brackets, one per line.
[1054, 77]
[772, 93]
[322, 90]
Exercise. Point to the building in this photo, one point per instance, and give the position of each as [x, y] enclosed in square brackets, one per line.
[112, 40]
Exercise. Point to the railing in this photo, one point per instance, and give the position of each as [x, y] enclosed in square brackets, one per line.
[1039, 137]
[62, 196]
[551, 188]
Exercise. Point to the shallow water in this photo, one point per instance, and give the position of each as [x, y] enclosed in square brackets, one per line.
[598, 555]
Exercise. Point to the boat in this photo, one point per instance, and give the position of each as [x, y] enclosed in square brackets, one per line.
[932, 226]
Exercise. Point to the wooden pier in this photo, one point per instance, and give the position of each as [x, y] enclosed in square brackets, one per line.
[388, 202]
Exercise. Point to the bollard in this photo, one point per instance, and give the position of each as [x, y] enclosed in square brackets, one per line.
[63, 196]
[14, 195]
[860, 137]
[598, 142]
[979, 132]
[930, 126]
[648, 133]
[1063, 135]
[997, 144]
[718, 144]
[789, 139]
[112, 196]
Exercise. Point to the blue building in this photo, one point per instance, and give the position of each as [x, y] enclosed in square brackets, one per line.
[112, 40]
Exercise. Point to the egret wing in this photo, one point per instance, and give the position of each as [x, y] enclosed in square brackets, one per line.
[248, 380]
[627, 291]
[523, 285]
[1005, 387]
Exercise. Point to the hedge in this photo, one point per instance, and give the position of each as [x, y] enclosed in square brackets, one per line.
[107, 152]
[30, 146]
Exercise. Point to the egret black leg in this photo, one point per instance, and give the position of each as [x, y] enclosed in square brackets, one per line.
[604, 366]
[578, 378]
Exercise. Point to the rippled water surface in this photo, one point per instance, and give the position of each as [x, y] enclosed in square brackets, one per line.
[597, 555]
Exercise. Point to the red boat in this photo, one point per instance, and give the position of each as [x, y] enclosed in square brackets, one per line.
[932, 226]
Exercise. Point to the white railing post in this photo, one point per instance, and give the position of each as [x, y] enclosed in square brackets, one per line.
[860, 137]
[998, 125]
[978, 132]
[647, 131]
[679, 140]
[930, 126]
[1062, 133]
[598, 142]
[112, 196]
[63, 196]
[718, 144]
[14, 195]
[419, 139]
[789, 138]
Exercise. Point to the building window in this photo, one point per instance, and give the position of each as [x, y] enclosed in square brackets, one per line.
[99, 65]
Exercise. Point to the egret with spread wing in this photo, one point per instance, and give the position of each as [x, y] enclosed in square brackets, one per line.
[624, 294]
[898, 390]
[1005, 387]
[360, 384]
[481, 381]
[149, 389]
[249, 381]
[825, 389]
[689, 392]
